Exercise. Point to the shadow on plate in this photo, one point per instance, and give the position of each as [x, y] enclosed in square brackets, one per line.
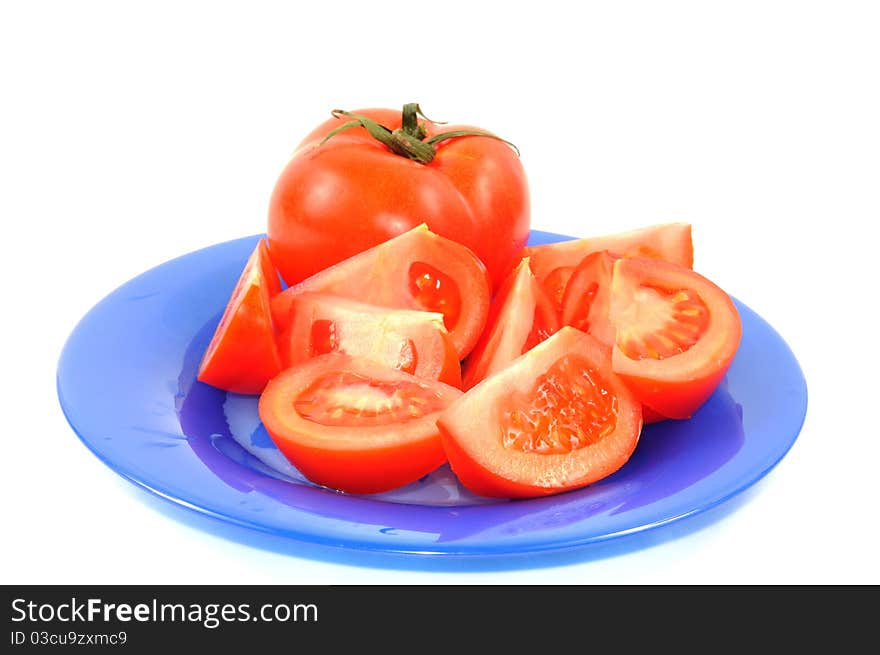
[446, 563]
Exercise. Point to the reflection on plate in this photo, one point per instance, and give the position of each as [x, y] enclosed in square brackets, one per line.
[126, 381]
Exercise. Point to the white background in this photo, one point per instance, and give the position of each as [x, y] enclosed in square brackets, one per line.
[131, 133]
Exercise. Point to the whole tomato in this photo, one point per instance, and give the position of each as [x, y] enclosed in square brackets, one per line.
[382, 172]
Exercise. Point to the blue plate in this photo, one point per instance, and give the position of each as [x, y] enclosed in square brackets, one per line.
[126, 381]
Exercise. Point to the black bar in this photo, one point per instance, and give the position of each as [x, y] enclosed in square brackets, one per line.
[408, 618]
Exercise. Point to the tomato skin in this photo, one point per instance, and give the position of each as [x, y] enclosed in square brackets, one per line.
[390, 274]
[472, 427]
[521, 315]
[358, 457]
[242, 355]
[474, 192]
[670, 242]
[676, 385]
[415, 342]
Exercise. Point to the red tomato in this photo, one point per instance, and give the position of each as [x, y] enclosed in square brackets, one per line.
[675, 334]
[411, 341]
[352, 192]
[242, 355]
[556, 419]
[354, 425]
[554, 285]
[587, 301]
[416, 270]
[670, 242]
[588, 296]
[521, 316]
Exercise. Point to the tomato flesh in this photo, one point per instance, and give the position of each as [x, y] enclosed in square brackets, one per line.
[669, 242]
[569, 407]
[352, 399]
[242, 355]
[354, 425]
[411, 341]
[417, 270]
[556, 418]
[555, 283]
[435, 292]
[661, 323]
[676, 334]
[521, 316]
[587, 296]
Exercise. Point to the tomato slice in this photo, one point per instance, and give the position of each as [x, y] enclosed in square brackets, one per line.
[588, 296]
[521, 316]
[555, 419]
[408, 340]
[675, 334]
[669, 242]
[555, 283]
[355, 425]
[242, 355]
[415, 270]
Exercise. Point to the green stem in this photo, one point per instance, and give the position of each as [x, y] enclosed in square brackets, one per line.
[408, 140]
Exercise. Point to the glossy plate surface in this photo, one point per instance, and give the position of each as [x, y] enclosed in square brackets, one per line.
[126, 382]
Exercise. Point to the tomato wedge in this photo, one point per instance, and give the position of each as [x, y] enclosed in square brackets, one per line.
[675, 334]
[521, 316]
[556, 419]
[355, 425]
[415, 270]
[411, 341]
[242, 355]
[669, 242]
[587, 302]
[588, 296]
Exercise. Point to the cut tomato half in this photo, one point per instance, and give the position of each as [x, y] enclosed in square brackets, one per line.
[557, 418]
[411, 341]
[415, 270]
[669, 242]
[521, 316]
[675, 334]
[351, 424]
[242, 355]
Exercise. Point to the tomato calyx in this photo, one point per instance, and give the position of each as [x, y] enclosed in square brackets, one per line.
[409, 139]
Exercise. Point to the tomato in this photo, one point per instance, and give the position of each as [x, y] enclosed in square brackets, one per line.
[669, 242]
[587, 296]
[415, 270]
[555, 283]
[355, 425]
[242, 355]
[521, 316]
[587, 301]
[555, 419]
[415, 342]
[675, 334]
[338, 197]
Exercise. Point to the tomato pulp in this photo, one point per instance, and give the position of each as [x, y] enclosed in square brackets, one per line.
[355, 425]
[520, 317]
[554, 263]
[411, 341]
[415, 270]
[557, 418]
[676, 334]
